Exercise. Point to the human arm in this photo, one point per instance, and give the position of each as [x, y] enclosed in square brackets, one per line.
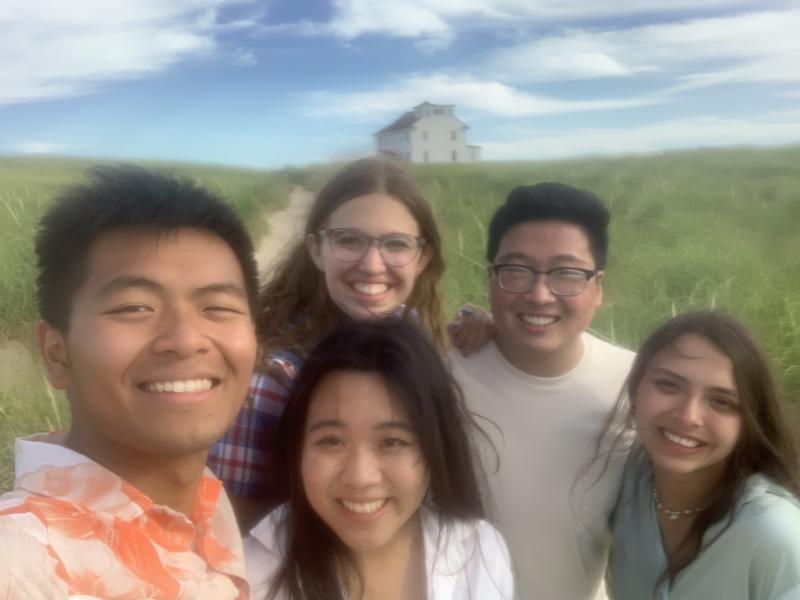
[775, 568]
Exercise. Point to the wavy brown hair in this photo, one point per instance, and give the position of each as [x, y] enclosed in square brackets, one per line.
[295, 307]
[767, 443]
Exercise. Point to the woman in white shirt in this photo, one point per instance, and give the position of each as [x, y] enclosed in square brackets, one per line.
[381, 495]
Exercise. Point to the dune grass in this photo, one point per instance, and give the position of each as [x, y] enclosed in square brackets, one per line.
[706, 228]
[713, 228]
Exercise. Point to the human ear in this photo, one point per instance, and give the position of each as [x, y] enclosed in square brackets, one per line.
[53, 349]
[424, 259]
[314, 250]
[598, 278]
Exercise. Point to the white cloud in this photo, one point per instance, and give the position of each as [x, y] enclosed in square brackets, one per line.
[761, 46]
[491, 97]
[37, 148]
[51, 48]
[770, 129]
[439, 19]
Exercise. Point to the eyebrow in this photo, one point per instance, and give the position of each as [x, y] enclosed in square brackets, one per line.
[525, 258]
[384, 235]
[671, 373]
[221, 288]
[126, 282]
[339, 424]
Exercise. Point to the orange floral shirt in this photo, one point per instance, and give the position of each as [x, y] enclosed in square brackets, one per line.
[73, 529]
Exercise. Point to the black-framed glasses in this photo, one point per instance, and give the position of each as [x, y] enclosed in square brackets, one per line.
[561, 281]
[351, 245]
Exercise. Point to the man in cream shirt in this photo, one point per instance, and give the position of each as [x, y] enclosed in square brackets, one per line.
[547, 388]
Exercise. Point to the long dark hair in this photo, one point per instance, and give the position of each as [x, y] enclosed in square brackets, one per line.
[296, 287]
[766, 443]
[315, 560]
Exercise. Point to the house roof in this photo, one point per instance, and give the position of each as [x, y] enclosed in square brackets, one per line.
[405, 121]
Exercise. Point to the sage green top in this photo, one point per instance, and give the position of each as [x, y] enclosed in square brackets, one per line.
[753, 554]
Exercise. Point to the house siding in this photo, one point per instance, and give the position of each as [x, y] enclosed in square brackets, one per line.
[436, 136]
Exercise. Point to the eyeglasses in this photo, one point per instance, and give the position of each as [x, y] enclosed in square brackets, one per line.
[562, 281]
[351, 245]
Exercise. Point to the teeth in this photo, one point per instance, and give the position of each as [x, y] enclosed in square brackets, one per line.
[370, 289]
[538, 320]
[686, 442]
[179, 387]
[364, 508]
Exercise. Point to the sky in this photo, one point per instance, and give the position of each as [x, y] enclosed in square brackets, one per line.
[264, 84]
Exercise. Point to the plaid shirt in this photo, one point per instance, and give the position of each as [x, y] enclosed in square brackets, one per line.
[242, 459]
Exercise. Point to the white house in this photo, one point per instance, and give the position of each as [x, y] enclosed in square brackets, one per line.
[429, 133]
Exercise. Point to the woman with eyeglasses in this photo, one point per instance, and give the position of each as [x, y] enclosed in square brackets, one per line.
[370, 249]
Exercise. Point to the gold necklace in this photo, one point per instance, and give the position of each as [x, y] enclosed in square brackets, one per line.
[674, 515]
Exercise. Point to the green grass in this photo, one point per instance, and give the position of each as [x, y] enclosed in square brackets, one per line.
[689, 230]
[27, 186]
[694, 229]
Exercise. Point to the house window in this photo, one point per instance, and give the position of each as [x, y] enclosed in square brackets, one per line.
[424, 136]
[455, 155]
[425, 156]
[453, 135]
[438, 111]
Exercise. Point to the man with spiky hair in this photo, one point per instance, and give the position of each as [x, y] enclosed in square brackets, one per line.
[146, 289]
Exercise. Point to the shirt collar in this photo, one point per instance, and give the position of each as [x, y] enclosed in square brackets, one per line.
[47, 469]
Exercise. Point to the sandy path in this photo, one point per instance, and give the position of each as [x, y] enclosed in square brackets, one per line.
[283, 228]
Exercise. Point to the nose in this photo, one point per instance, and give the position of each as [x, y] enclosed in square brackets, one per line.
[539, 293]
[181, 333]
[372, 261]
[361, 468]
[690, 412]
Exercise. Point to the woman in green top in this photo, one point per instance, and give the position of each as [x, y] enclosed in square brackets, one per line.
[709, 503]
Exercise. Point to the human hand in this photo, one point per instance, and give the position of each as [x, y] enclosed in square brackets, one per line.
[472, 329]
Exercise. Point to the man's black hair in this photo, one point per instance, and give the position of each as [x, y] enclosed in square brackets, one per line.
[124, 197]
[553, 202]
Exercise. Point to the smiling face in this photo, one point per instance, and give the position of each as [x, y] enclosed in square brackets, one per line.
[160, 345]
[686, 408]
[537, 331]
[368, 288]
[362, 469]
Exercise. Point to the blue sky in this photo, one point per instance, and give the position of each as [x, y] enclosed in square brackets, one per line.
[265, 84]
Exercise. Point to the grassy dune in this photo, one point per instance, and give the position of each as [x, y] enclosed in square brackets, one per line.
[689, 230]
[27, 186]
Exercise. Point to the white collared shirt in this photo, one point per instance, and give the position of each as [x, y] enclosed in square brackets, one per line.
[464, 560]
